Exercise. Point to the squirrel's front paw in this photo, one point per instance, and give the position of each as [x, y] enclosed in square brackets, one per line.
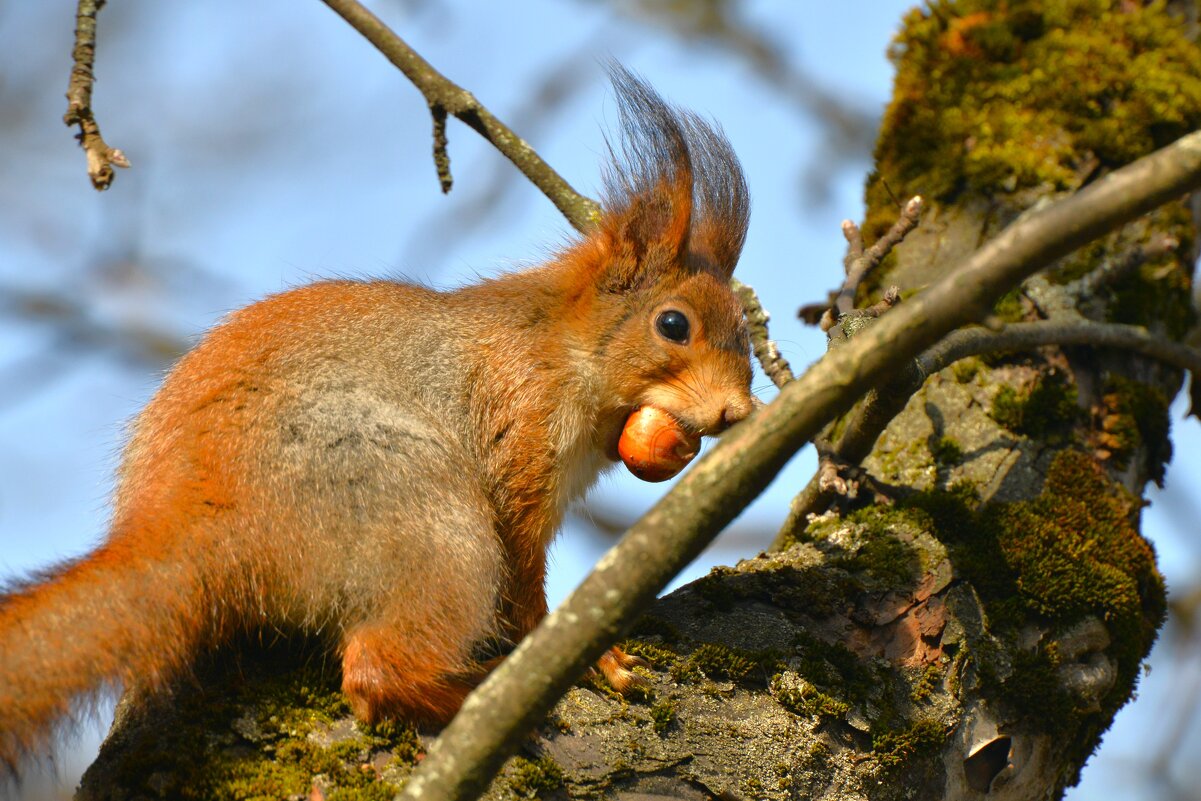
[618, 668]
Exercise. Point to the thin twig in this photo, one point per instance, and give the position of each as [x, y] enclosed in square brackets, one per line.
[1026, 336]
[774, 364]
[526, 685]
[101, 157]
[441, 155]
[854, 236]
[860, 262]
[441, 93]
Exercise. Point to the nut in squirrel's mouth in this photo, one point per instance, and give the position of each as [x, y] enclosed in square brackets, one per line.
[617, 424]
[620, 417]
[655, 445]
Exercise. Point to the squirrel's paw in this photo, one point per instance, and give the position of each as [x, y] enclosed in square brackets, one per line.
[618, 668]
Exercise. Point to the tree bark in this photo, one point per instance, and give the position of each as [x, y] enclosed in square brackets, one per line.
[973, 629]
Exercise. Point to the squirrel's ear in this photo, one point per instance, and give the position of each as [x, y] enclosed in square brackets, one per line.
[675, 197]
[712, 248]
[648, 235]
[723, 204]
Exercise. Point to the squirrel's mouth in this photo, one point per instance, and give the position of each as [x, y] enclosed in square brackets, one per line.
[612, 434]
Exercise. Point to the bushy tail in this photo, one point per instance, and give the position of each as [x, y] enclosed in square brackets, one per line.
[114, 617]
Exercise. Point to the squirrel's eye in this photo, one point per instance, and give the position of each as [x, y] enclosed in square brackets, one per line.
[672, 325]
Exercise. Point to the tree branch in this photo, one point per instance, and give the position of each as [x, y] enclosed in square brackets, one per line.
[518, 694]
[863, 431]
[1025, 336]
[860, 262]
[101, 157]
[441, 93]
[773, 362]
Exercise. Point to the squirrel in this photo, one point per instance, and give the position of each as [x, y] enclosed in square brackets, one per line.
[384, 465]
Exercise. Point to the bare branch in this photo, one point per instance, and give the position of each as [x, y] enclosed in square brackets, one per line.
[441, 156]
[774, 364]
[441, 93]
[101, 157]
[1025, 336]
[860, 262]
[518, 694]
[854, 236]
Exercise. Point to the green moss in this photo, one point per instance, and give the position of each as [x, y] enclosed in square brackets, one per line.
[1073, 551]
[904, 461]
[1077, 551]
[1159, 293]
[397, 737]
[707, 661]
[259, 724]
[993, 98]
[883, 560]
[1136, 418]
[1035, 690]
[285, 719]
[873, 551]
[723, 662]
[659, 657]
[534, 778]
[663, 715]
[641, 693]
[715, 590]
[1047, 411]
[1008, 407]
[1081, 261]
[836, 671]
[896, 748]
[966, 370]
[806, 700]
[926, 682]
[1009, 307]
[946, 451]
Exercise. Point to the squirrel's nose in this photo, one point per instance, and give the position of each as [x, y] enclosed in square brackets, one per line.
[736, 408]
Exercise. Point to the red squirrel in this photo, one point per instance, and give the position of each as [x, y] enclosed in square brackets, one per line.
[384, 465]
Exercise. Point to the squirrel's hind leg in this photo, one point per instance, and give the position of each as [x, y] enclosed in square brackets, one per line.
[426, 581]
[389, 676]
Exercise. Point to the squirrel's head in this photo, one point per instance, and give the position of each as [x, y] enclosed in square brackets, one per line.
[663, 325]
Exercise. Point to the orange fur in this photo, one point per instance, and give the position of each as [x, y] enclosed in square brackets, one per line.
[385, 465]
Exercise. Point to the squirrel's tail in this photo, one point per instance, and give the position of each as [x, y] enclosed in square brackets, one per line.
[121, 615]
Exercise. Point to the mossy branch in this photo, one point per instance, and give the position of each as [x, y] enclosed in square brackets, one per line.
[877, 412]
[101, 157]
[525, 686]
[445, 96]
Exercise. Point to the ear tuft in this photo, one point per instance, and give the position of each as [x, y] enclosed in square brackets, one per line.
[675, 195]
